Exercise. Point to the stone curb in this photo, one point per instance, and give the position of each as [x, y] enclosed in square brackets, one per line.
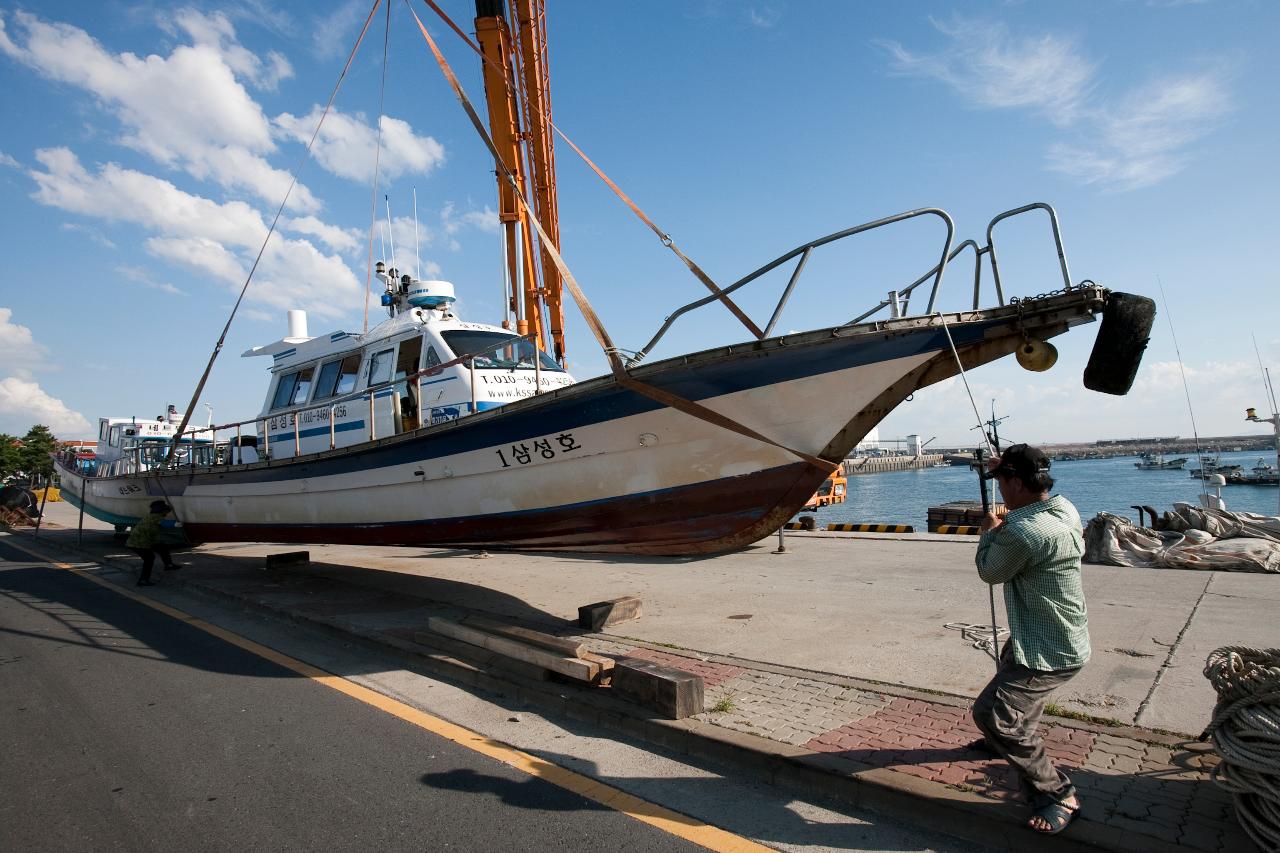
[953, 811]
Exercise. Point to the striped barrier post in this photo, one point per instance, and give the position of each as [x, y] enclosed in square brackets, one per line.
[872, 528]
[959, 529]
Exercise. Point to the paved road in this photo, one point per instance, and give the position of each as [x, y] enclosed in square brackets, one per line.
[122, 728]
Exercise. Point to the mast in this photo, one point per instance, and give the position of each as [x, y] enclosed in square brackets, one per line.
[517, 91]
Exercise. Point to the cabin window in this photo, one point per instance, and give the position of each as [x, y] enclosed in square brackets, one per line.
[498, 350]
[284, 391]
[338, 377]
[433, 360]
[380, 366]
[303, 390]
[104, 430]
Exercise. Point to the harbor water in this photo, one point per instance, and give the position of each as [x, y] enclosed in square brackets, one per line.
[1093, 485]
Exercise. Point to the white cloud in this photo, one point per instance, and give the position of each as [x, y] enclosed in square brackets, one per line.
[763, 16]
[119, 194]
[1133, 140]
[19, 353]
[217, 239]
[994, 69]
[6, 160]
[217, 33]
[346, 145]
[1142, 140]
[24, 404]
[91, 233]
[338, 239]
[332, 34]
[222, 135]
[141, 276]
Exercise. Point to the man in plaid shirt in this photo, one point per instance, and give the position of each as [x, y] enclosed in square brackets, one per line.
[1035, 552]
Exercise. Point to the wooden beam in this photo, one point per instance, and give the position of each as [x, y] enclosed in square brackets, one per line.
[563, 645]
[572, 667]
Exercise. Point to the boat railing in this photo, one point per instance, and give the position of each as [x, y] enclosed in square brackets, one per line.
[897, 301]
[260, 425]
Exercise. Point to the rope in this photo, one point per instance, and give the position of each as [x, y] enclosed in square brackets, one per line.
[1246, 735]
[589, 315]
[991, 588]
[377, 167]
[663, 236]
[984, 637]
[293, 182]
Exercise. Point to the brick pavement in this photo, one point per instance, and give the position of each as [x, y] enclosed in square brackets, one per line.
[1139, 782]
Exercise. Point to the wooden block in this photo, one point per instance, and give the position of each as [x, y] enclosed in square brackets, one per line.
[566, 647]
[671, 692]
[288, 559]
[606, 665]
[593, 617]
[573, 667]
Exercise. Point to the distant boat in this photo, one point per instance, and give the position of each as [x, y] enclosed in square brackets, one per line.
[1156, 462]
[1211, 465]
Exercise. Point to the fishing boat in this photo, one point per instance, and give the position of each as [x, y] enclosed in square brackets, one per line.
[1156, 461]
[429, 429]
[1212, 464]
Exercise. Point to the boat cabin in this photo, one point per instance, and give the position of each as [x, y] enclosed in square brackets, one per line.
[420, 367]
[131, 446]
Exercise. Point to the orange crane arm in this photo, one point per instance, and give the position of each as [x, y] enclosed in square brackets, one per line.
[516, 85]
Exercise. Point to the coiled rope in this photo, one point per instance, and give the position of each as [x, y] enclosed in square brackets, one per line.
[1246, 734]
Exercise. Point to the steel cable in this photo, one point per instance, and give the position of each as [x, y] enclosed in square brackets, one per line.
[1245, 731]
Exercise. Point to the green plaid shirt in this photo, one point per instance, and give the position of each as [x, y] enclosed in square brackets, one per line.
[1036, 555]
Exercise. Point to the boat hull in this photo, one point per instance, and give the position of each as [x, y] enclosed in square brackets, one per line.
[599, 466]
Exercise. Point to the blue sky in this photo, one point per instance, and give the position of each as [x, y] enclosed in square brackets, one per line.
[146, 146]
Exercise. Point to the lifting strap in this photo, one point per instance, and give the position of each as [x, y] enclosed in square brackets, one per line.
[588, 313]
[662, 235]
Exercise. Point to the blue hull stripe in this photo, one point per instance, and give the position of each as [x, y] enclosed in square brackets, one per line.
[98, 513]
[287, 434]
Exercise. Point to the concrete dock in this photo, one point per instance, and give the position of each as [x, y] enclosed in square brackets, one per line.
[834, 652]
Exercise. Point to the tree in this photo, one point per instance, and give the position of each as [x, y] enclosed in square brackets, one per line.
[37, 445]
[10, 453]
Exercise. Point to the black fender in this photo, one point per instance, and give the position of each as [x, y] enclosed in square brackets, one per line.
[1122, 338]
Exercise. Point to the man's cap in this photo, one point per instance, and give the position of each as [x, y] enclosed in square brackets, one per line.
[1023, 461]
[160, 506]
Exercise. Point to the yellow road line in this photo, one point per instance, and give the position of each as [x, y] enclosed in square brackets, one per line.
[642, 810]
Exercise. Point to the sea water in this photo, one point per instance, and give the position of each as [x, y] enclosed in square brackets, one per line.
[1094, 485]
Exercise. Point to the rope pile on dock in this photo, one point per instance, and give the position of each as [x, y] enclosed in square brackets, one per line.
[1246, 734]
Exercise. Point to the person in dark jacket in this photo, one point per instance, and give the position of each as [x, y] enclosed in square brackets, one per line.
[144, 539]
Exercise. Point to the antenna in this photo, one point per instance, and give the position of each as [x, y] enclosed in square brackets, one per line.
[391, 237]
[1186, 389]
[416, 257]
[1266, 376]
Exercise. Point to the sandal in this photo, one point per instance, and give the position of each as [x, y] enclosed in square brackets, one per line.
[1057, 815]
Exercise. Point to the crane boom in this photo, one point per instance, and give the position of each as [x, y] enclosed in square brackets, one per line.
[517, 90]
